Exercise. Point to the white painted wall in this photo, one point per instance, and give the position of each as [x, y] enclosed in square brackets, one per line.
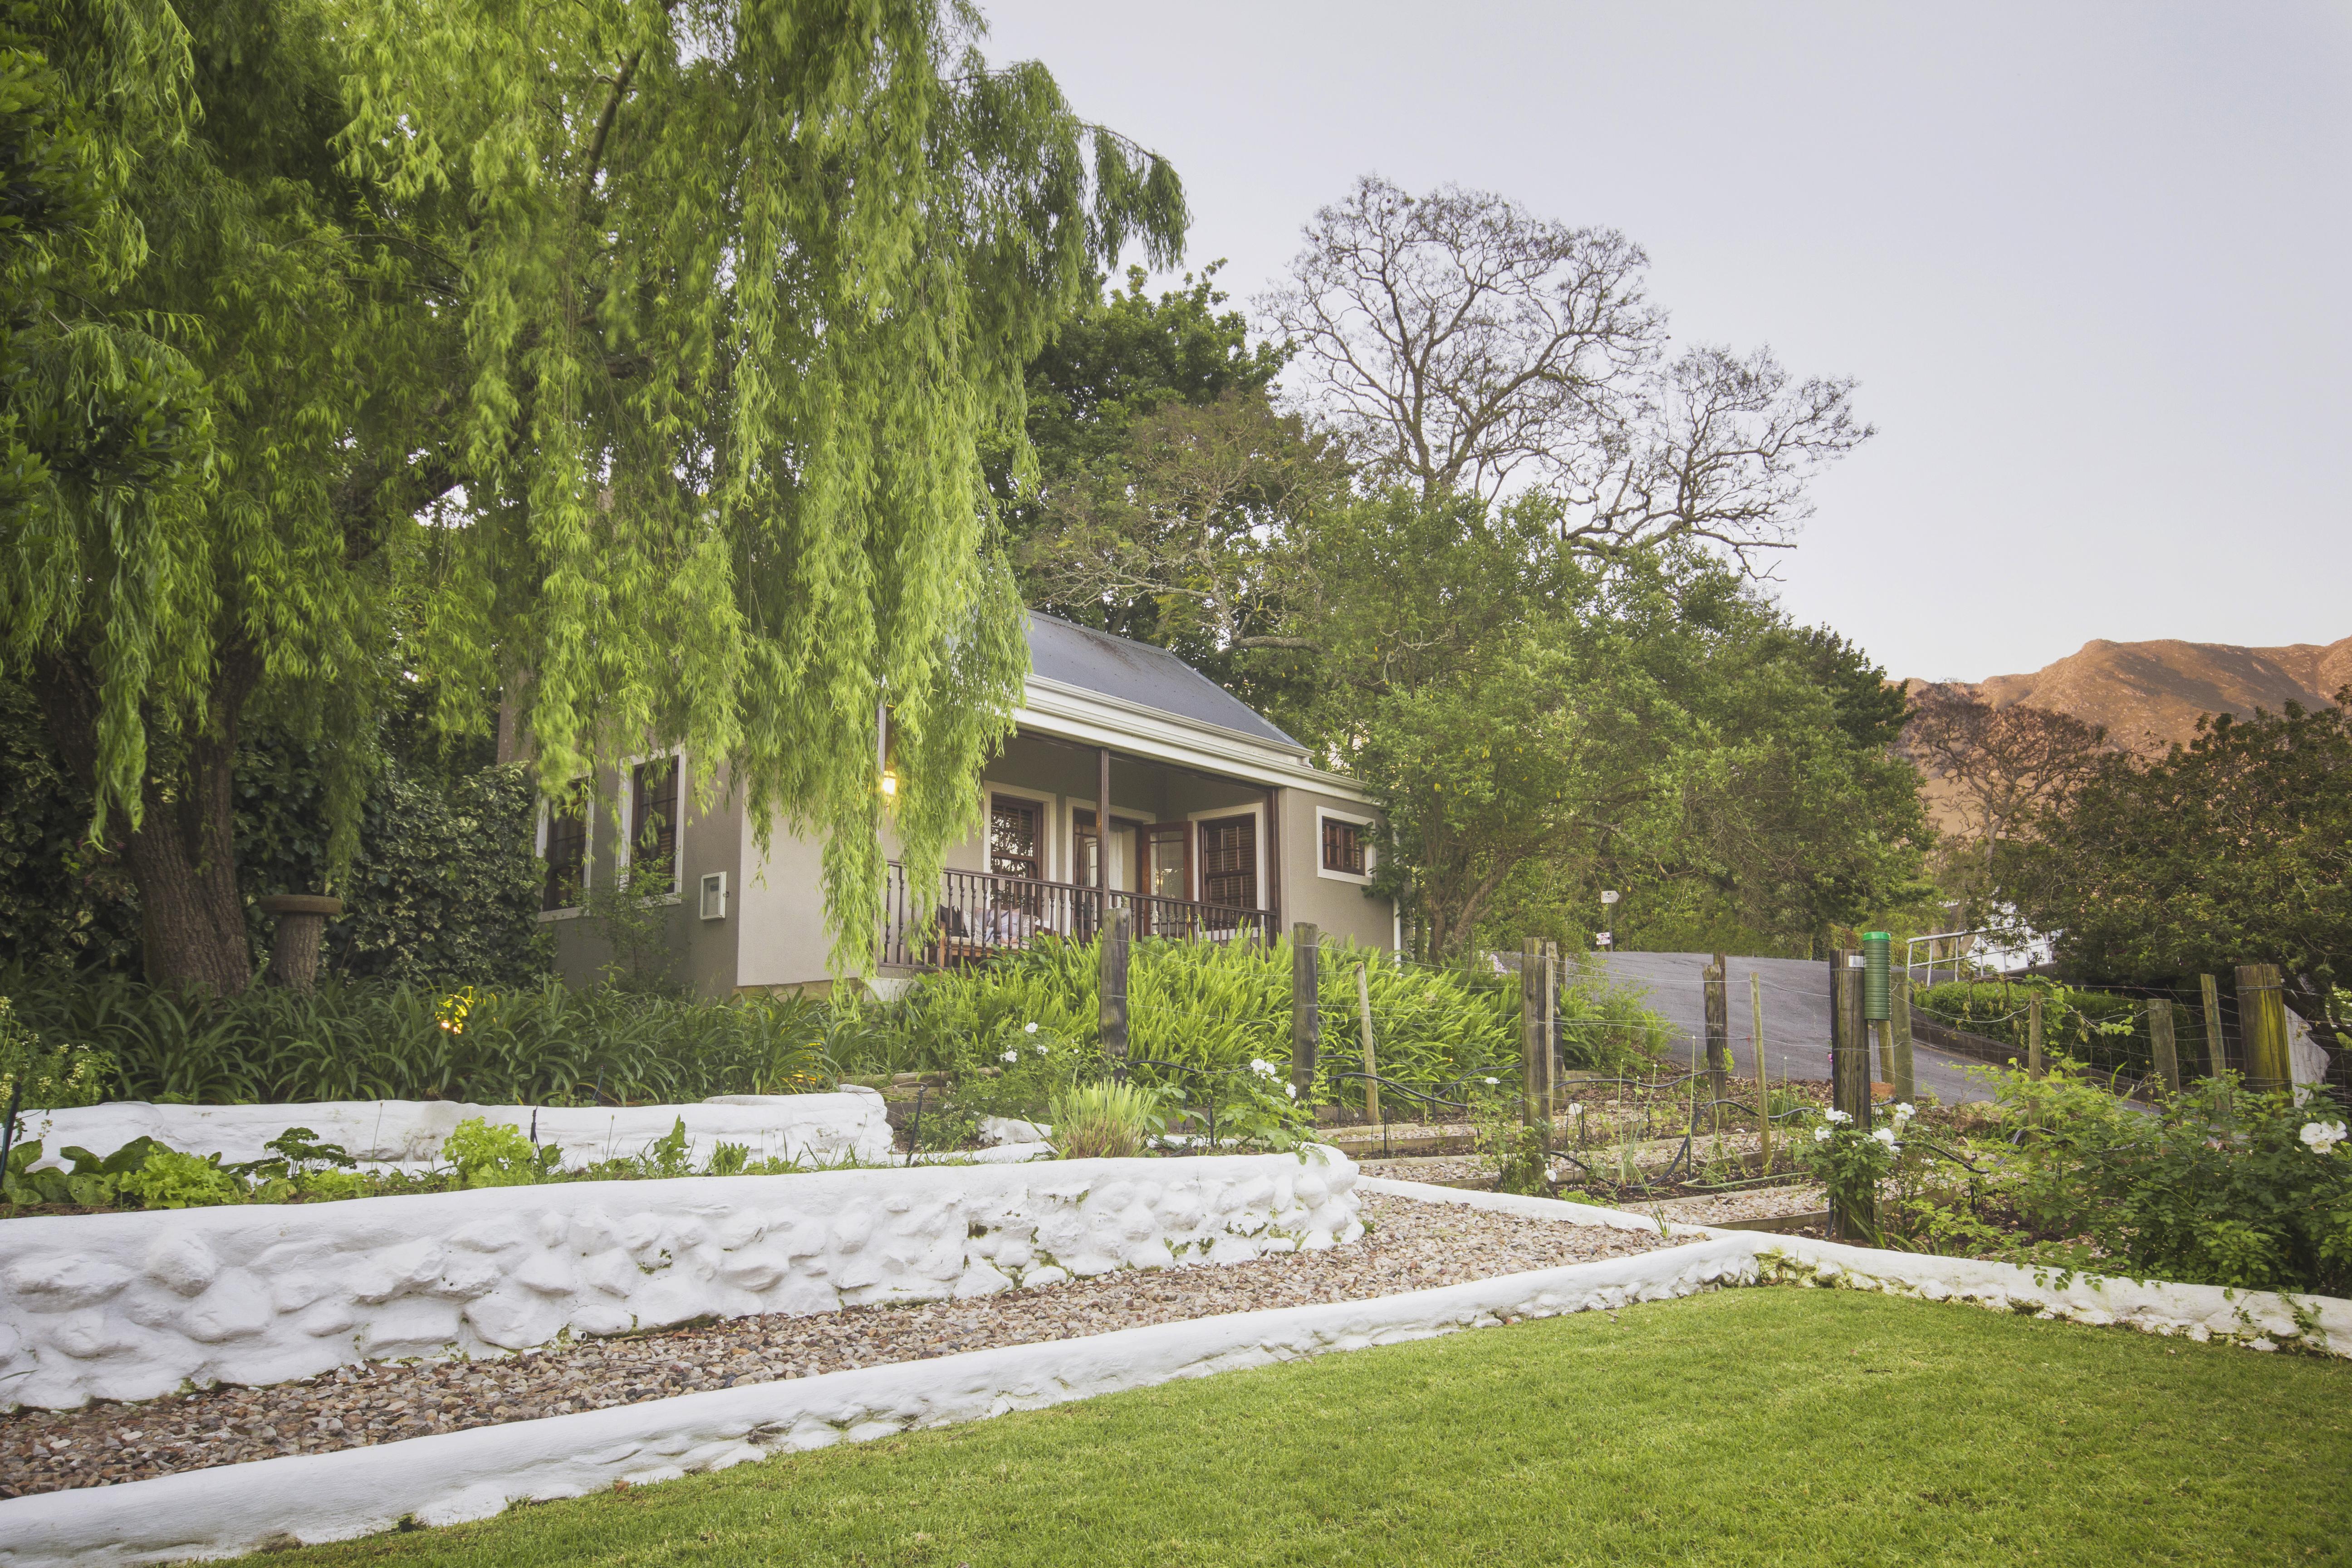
[814, 1129]
[130, 1306]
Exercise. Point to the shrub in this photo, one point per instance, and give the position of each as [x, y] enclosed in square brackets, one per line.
[168, 1179]
[1106, 1120]
[2096, 1027]
[382, 1040]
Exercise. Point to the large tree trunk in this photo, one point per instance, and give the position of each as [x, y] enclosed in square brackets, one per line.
[183, 856]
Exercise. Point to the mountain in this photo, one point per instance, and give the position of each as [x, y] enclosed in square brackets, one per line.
[2150, 694]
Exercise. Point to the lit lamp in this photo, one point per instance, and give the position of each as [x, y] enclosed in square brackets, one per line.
[886, 749]
[1608, 904]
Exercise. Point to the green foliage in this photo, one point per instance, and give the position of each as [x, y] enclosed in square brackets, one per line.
[528, 342]
[2234, 850]
[1851, 1163]
[168, 1179]
[2097, 1029]
[2223, 1187]
[1106, 1120]
[39, 1076]
[61, 902]
[377, 1040]
[1214, 1008]
[496, 1156]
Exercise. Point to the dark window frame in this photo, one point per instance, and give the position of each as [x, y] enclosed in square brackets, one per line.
[564, 847]
[662, 857]
[1034, 860]
[1217, 875]
[1348, 841]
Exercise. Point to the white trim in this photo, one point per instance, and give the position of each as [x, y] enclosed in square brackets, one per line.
[1135, 816]
[623, 851]
[1049, 853]
[1371, 854]
[1257, 843]
[1073, 713]
[587, 847]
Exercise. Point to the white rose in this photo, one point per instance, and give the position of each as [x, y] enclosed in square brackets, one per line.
[1291, 1089]
[1837, 1115]
[1885, 1135]
[1013, 1056]
[1820, 1134]
[1494, 1080]
[1904, 1112]
[1028, 1028]
[2320, 1137]
[1576, 1108]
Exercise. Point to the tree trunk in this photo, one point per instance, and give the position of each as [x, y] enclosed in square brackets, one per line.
[183, 856]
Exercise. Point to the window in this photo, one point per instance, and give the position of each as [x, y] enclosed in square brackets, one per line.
[1016, 841]
[1229, 862]
[653, 826]
[1086, 849]
[566, 851]
[1343, 847]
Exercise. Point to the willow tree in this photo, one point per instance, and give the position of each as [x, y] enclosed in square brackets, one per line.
[631, 359]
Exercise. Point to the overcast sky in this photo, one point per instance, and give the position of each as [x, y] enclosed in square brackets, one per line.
[2092, 263]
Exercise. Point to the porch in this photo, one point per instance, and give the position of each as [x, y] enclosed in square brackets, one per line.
[978, 915]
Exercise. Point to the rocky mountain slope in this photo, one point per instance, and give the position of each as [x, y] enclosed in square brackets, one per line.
[2150, 694]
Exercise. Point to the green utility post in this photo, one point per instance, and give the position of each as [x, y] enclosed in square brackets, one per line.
[1877, 1001]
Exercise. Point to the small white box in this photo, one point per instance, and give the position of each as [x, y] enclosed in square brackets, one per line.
[714, 895]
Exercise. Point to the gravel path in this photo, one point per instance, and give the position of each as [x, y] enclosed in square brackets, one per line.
[1413, 1246]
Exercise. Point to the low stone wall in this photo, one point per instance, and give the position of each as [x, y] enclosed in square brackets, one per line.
[814, 1129]
[130, 1306]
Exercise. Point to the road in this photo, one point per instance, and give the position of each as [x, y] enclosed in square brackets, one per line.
[1796, 1015]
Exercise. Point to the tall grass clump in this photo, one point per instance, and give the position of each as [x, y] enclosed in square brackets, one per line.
[1218, 1006]
[381, 1040]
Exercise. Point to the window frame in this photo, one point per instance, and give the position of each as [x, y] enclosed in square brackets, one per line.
[1049, 820]
[1255, 808]
[1372, 850]
[626, 850]
[587, 848]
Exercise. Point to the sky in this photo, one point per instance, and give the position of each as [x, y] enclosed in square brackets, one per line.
[2090, 264]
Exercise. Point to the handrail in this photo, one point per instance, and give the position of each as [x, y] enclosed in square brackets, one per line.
[976, 915]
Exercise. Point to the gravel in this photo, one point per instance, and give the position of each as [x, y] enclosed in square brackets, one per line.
[1413, 1246]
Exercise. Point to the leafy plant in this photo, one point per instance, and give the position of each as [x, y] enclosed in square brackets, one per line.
[168, 1179]
[488, 1155]
[1850, 1163]
[1106, 1120]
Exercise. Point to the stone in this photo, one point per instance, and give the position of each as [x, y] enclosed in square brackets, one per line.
[235, 1308]
[183, 1264]
[65, 1283]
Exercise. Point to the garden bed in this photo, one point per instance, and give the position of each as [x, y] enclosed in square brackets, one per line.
[132, 1305]
[1408, 1245]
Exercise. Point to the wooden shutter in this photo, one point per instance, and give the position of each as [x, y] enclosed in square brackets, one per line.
[1229, 862]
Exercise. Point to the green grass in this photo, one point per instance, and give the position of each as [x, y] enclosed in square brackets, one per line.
[1751, 1426]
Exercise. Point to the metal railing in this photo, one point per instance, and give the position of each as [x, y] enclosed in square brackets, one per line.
[979, 914]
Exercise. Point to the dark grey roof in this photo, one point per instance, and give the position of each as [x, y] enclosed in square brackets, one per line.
[1138, 673]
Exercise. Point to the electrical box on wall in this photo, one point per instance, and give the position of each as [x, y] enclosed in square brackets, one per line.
[714, 895]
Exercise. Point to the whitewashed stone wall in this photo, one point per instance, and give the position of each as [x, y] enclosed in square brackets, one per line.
[131, 1305]
[814, 1129]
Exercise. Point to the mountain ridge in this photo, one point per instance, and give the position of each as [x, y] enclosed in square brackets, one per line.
[2150, 695]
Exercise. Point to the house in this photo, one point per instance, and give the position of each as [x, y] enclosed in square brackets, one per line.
[1219, 829]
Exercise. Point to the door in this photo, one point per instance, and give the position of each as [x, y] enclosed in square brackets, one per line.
[1167, 866]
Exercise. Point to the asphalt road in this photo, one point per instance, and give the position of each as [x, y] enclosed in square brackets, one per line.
[1796, 1015]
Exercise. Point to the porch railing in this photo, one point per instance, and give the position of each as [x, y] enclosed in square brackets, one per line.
[979, 914]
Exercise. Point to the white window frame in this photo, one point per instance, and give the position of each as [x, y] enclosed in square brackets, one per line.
[587, 845]
[1050, 818]
[1255, 808]
[621, 852]
[1372, 850]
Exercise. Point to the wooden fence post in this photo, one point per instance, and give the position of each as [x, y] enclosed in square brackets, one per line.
[1115, 927]
[1849, 1039]
[2261, 1025]
[1305, 1009]
[1533, 1110]
[1552, 1063]
[1898, 997]
[2160, 1044]
[2217, 1053]
[1851, 1217]
[1763, 1076]
[1718, 1034]
[1371, 1060]
[2033, 1068]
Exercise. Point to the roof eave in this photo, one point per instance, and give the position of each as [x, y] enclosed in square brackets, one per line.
[1076, 713]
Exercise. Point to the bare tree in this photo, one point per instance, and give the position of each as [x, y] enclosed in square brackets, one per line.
[1461, 343]
[2008, 764]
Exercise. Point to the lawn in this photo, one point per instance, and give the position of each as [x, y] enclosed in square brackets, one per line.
[1760, 1425]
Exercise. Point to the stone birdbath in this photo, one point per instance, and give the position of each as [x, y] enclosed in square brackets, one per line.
[302, 922]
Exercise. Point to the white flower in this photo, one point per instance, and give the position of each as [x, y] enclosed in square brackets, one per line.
[1042, 1051]
[1904, 1112]
[1013, 1056]
[1820, 1134]
[1576, 1108]
[1836, 1116]
[1291, 1089]
[1263, 1069]
[1028, 1028]
[1885, 1135]
[1494, 1080]
[2320, 1137]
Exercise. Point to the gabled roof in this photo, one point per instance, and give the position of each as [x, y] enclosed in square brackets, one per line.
[1144, 676]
